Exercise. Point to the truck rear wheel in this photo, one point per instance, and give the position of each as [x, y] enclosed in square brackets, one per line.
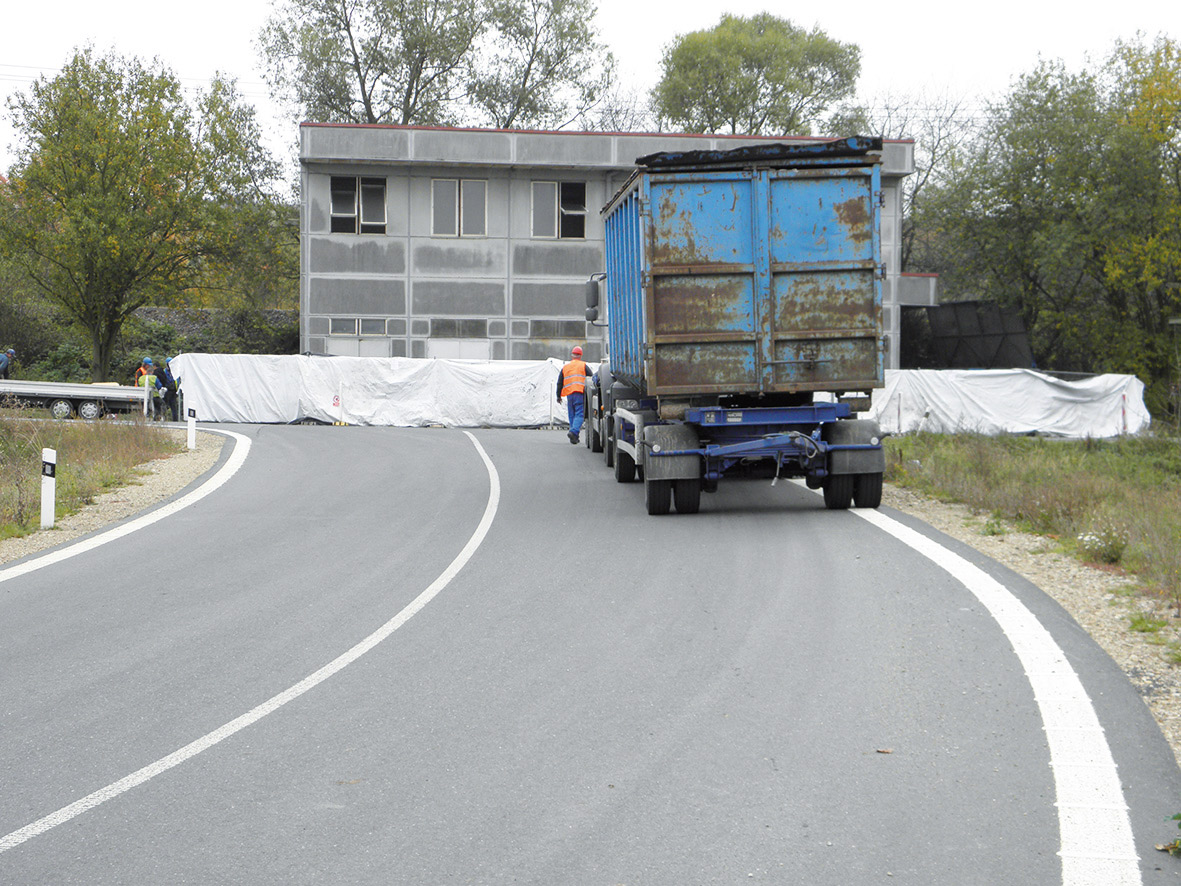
[658, 496]
[594, 436]
[838, 491]
[867, 490]
[89, 410]
[687, 495]
[61, 409]
[625, 465]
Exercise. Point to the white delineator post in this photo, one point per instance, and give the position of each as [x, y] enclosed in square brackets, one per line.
[192, 419]
[48, 487]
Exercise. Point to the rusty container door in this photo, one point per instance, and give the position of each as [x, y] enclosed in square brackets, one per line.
[702, 293]
[763, 280]
[825, 327]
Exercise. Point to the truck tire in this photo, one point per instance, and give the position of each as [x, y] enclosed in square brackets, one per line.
[838, 491]
[658, 496]
[89, 410]
[609, 451]
[687, 495]
[61, 409]
[594, 435]
[625, 465]
[867, 490]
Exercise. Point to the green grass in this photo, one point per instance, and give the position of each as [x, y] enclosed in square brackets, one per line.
[1114, 503]
[92, 457]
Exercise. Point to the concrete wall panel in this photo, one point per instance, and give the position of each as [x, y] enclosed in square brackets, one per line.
[557, 259]
[548, 299]
[351, 296]
[460, 256]
[466, 298]
[353, 254]
[465, 146]
[559, 150]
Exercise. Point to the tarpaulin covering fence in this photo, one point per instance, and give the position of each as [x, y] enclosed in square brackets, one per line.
[409, 392]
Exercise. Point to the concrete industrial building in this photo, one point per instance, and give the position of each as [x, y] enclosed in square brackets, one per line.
[437, 242]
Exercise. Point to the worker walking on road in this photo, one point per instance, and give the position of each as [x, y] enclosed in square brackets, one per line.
[572, 386]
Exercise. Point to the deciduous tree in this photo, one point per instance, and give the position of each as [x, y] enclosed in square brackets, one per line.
[543, 64]
[760, 75]
[119, 187]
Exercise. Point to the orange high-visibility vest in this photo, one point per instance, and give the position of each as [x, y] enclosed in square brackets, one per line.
[574, 378]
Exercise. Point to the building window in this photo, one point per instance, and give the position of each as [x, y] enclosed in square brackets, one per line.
[342, 326]
[459, 207]
[357, 204]
[372, 327]
[559, 210]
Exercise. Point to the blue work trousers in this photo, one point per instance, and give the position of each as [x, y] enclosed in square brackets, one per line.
[576, 409]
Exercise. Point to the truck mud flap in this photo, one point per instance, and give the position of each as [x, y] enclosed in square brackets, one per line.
[670, 438]
[854, 432]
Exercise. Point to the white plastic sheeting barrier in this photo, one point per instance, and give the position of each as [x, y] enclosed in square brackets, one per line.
[397, 391]
[1009, 401]
[409, 392]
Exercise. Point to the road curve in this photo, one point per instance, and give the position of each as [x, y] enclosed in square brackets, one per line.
[764, 692]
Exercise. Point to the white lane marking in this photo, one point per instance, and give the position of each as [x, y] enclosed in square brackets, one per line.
[235, 461]
[1094, 827]
[273, 704]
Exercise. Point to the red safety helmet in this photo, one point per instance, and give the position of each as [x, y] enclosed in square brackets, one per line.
[577, 351]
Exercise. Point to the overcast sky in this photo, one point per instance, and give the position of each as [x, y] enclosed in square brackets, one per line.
[963, 50]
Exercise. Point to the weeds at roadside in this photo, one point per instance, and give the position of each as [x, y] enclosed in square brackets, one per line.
[1110, 503]
[91, 458]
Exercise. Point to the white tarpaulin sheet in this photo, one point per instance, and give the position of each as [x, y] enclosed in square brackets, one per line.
[397, 391]
[1009, 401]
[409, 392]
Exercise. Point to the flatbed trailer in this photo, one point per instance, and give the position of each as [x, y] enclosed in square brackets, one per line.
[68, 399]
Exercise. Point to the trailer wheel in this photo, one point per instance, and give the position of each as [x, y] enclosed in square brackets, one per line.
[658, 496]
[867, 490]
[609, 451]
[594, 435]
[89, 410]
[61, 409]
[687, 495]
[625, 465]
[838, 491]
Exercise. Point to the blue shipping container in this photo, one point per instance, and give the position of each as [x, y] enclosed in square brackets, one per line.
[748, 272]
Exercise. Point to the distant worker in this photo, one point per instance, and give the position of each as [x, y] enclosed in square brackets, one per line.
[171, 388]
[6, 361]
[572, 386]
[162, 389]
[145, 368]
[145, 377]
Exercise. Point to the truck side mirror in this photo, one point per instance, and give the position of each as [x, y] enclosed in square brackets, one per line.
[592, 291]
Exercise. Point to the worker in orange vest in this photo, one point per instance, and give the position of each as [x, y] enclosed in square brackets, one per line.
[572, 386]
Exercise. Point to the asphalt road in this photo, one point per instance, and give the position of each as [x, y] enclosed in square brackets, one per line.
[578, 693]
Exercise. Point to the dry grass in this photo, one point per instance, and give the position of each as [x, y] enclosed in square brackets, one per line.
[1105, 501]
[91, 458]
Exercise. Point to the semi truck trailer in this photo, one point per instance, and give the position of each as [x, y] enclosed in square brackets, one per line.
[742, 295]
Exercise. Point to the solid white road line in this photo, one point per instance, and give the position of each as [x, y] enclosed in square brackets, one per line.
[235, 461]
[270, 706]
[1095, 830]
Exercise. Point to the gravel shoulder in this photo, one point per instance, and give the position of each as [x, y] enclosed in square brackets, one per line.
[1098, 599]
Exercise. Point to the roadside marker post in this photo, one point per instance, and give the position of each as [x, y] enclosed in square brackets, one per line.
[192, 420]
[48, 487]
